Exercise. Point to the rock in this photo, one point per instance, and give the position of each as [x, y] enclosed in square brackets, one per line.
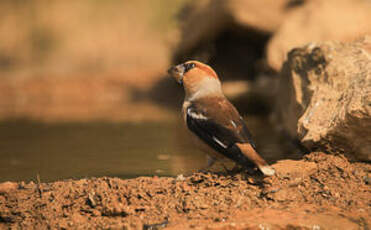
[316, 21]
[264, 15]
[195, 28]
[325, 97]
[203, 20]
[8, 186]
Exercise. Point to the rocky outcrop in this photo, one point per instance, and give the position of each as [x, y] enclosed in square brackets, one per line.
[316, 21]
[326, 97]
[264, 15]
[203, 20]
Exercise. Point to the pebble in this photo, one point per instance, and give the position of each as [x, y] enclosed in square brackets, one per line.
[180, 177]
[8, 186]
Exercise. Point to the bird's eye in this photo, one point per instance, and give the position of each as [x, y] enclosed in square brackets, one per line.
[188, 67]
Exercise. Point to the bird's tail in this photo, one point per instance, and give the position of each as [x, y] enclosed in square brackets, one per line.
[253, 156]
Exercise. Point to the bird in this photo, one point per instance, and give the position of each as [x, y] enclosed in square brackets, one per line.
[217, 127]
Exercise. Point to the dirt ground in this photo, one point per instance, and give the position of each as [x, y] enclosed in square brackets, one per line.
[319, 192]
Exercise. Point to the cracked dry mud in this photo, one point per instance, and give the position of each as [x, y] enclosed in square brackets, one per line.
[319, 192]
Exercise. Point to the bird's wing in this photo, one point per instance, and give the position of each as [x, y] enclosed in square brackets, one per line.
[218, 124]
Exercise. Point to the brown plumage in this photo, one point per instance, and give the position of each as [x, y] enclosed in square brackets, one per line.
[213, 119]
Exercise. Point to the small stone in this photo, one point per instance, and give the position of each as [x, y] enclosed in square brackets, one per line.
[180, 177]
[8, 186]
[367, 179]
[91, 200]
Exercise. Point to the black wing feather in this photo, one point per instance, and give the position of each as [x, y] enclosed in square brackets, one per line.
[208, 130]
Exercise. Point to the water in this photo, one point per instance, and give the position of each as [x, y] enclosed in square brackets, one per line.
[57, 151]
[76, 150]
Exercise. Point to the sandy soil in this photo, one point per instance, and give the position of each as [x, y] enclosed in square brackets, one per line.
[319, 192]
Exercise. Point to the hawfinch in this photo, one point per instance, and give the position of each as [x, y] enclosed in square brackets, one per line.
[219, 129]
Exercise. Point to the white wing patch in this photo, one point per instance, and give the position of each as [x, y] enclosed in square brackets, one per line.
[196, 115]
[219, 142]
[234, 124]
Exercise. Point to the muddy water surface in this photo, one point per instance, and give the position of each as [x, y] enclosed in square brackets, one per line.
[76, 150]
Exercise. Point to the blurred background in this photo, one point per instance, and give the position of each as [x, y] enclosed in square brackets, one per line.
[84, 89]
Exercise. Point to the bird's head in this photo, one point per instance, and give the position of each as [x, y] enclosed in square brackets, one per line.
[195, 76]
[190, 71]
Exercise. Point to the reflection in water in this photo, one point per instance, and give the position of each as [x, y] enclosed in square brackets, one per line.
[75, 150]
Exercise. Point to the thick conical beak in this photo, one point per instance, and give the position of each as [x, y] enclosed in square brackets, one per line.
[177, 72]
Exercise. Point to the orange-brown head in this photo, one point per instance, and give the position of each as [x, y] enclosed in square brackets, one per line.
[195, 76]
[191, 70]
